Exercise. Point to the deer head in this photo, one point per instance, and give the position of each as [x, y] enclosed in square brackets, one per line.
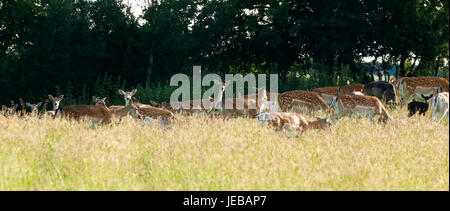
[127, 95]
[99, 101]
[55, 101]
[34, 107]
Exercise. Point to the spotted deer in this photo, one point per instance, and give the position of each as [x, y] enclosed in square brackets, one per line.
[99, 101]
[300, 100]
[426, 85]
[151, 114]
[328, 94]
[55, 103]
[96, 113]
[349, 88]
[439, 104]
[292, 121]
[34, 107]
[359, 105]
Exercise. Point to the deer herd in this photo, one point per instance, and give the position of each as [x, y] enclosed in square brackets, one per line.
[281, 110]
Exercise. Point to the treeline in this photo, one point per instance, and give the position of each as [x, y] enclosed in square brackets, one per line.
[82, 48]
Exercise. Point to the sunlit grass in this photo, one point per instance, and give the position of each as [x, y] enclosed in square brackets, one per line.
[200, 153]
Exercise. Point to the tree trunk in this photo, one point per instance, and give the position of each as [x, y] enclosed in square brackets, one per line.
[402, 66]
[149, 70]
[436, 66]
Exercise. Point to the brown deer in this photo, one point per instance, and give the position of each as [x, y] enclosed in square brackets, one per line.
[328, 94]
[96, 113]
[349, 88]
[359, 105]
[300, 100]
[292, 121]
[426, 85]
[127, 96]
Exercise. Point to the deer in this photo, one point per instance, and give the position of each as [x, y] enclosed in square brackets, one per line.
[55, 103]
[9, 111]
[96, 113]
[300, 100]
[328, 94]
[99, 101]
[359, 105]
[127, 96]
[271, 100]
[33, 107]
[349, 88]
[421, 107]
[439, 104]
[426, 85]
[249, 105]
[292, 121]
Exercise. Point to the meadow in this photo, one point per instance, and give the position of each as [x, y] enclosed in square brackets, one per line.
[201, 153]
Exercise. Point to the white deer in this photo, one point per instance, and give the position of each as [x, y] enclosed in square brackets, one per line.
[440, 104]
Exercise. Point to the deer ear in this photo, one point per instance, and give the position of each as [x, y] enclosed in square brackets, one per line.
[94, 98]
[104, 98]
[50, 97]
[39, 104]
[121, 92]
[28, 104]
[133, 92]
[61, 96]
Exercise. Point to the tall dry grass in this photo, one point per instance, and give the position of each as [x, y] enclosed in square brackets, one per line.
[199, 153]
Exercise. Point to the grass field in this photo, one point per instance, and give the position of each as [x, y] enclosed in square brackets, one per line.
[199, 153]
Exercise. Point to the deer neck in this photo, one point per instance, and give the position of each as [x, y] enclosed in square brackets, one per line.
[122, 111]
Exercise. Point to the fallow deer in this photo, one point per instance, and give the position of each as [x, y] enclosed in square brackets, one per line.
[426, 85]
[248, 105]
[127, 96]
[99, 101]
[359, 105]
[440, 104]
[349, 88]
[300, 100]
[55, 103]
[421, 107]
[96, 113]
[150, 114]
[271, 103]
[292, 121]
[328, 94]
[34, 107]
